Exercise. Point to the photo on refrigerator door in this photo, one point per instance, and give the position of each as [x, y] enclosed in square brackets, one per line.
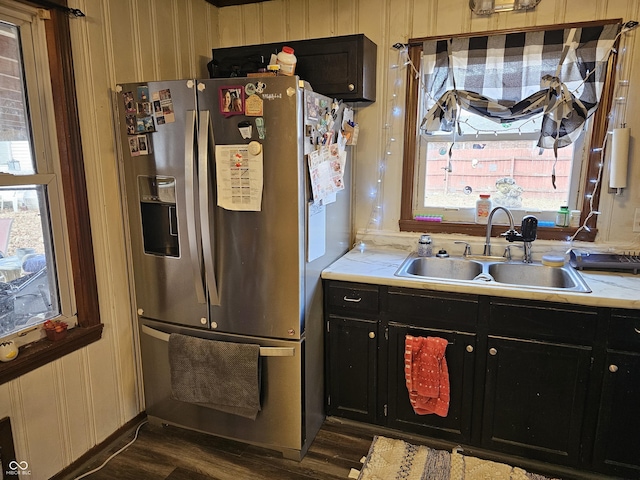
[231, 100]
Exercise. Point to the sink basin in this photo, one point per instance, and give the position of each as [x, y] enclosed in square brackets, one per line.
[537, 275]
[435, 267]
[491, 270]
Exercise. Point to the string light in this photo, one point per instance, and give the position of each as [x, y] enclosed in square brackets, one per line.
[393, 111]
[614, 112]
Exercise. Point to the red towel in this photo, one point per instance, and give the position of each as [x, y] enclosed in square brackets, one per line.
[426, 374]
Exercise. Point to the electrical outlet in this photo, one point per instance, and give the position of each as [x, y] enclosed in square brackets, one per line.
[636, 221]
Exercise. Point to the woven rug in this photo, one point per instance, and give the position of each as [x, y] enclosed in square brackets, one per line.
[390, 459]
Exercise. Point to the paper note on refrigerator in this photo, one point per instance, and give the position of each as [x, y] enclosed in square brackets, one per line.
[317, 231]
[239, 177]
[326, 168]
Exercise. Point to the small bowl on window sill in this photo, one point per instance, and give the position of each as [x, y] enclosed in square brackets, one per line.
[55, 329]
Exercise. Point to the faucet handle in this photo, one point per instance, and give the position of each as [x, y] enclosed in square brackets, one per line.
[467, 248]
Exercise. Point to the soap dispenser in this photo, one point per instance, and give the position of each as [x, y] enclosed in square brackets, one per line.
[424, 246]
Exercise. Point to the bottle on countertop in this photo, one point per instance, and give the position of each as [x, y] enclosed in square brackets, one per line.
[483, 208]
[424, 246]
[562, 217]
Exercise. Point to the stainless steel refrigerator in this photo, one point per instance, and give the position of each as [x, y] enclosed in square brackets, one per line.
[243, 272]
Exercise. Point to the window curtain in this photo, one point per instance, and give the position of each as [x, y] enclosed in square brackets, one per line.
[556, 73]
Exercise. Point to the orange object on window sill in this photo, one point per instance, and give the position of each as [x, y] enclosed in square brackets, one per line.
[55, 335]
[55, 330]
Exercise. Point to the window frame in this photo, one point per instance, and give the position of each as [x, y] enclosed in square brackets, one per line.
[592, 162]
[76, 205]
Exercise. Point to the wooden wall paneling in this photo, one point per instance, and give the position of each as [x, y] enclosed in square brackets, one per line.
[80, 419]
[213, 39]
[165, 32]
[394, 80]
[107, 408]
[372, 21]
[204, 34]
[583, 10]
[66, 398]
[423, 19]
[39, 429]
[346, 17]
[111, 272]
[230, 26]
[275, 21]
[145, 39]
[251, 23]
[296, 13]
[121, 36]
[184, 39]
[321, 18]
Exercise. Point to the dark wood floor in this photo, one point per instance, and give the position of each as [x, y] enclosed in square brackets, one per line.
[171, 453]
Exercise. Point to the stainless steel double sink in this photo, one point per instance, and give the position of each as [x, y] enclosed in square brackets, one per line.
[494, 269]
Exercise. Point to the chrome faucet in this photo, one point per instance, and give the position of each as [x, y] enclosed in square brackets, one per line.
[529, 229]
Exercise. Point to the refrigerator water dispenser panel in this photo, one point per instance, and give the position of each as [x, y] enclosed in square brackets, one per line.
[157, 196]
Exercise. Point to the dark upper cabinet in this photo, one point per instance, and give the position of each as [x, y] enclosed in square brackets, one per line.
[339, 67]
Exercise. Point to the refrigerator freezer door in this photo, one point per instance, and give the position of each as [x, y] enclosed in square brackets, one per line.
[280, 422]
[169, 284]
[259, 255]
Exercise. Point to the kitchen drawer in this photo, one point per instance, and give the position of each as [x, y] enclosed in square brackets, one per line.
[542, 320]
[432, 309]
[355, 297]
[624, 330]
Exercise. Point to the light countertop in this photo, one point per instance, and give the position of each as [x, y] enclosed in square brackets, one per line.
[377, 265]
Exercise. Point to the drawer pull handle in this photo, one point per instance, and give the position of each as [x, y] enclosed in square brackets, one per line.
[354, 300]
[613, 368]
[469, 348]
[493, 351]
[372, 334]
[636, 330]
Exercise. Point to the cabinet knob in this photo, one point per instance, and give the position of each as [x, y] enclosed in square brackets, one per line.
[613, 368]
[493, 351]
[469, 348]
[351, 87]
[372, 334]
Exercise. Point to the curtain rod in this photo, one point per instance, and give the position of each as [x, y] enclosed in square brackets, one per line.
[52, 4]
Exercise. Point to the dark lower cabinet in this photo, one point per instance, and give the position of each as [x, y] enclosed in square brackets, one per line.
[352, 369]
[617, 445]
[535, 394]
[550, 382]
[456, 426]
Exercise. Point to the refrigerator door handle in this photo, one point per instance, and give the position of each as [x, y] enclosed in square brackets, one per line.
[264, 351]
[190, 193]
[205, 132]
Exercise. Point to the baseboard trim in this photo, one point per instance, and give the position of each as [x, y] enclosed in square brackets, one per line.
[99, 448]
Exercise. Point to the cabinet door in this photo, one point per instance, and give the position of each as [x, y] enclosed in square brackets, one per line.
[456, 426]
[352, 346]
[535, 394]
[617, 445]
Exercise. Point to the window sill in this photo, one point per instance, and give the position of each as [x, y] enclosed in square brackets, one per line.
[477, 230]
[37, 354]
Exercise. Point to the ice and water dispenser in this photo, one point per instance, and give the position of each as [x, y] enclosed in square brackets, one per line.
[157, 196]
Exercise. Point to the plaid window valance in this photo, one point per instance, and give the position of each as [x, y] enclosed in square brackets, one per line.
[559, 73]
